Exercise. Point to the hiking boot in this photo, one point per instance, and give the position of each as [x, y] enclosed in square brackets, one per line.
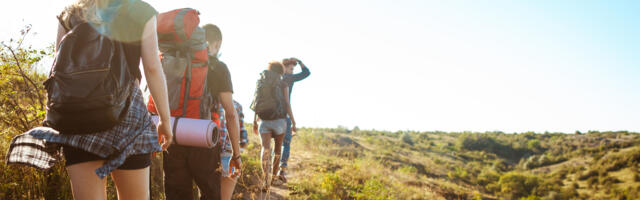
[282, 176]
[277, 182]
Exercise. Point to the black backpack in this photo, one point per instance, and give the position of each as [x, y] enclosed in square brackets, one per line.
[89, 85]
[268, 101]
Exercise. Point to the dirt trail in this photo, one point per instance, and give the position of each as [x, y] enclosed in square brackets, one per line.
[282, 191]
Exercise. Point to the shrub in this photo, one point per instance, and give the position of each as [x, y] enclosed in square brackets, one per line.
[374, 189]
[587, 175]
[487, 143]
[487, 176]
[459, 173]
[514, 185]
[530, 197]
[406, 138]
[534, 145]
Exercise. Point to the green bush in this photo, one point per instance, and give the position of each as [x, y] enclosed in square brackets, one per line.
[487, 177]
[514, 185]
[406, 138]
[489, 144]
[374, 189]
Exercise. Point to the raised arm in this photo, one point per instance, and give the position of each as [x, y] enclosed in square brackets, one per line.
[299, 76]
[155, 79]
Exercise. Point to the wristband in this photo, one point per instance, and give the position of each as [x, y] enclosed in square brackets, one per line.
[235, 157]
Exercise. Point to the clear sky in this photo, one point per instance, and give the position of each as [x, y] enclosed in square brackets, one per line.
[472, 65]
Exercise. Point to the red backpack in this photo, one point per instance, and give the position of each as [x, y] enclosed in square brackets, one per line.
[185, 63]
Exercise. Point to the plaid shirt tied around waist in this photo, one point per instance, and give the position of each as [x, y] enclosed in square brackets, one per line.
[136, 134]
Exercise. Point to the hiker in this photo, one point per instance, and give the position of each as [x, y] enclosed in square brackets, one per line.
[228, 181]
[271, 106]
[115, 138]
[290, 78]
[188, 51]
[219, 83]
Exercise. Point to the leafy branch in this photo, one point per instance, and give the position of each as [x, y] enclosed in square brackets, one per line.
[22, 97]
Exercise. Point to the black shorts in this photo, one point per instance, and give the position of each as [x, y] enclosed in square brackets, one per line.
[74, 156]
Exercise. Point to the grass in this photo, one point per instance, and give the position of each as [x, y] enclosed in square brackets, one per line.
[372, 165]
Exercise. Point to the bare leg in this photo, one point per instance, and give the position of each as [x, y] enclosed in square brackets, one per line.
[266, 157]
[228, 185]
[132, 184]
[85, 184]
[278, 152]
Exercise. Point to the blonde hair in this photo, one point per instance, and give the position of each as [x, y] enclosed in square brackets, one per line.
[85, 9]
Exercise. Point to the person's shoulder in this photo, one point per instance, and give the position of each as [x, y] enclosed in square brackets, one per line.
[140, 11]
[216, 63]
[223, 65]
[287, 78]
[140, 4]
[219, 66]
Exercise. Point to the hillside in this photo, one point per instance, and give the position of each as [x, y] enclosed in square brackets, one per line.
[345, 164]
[362, 164]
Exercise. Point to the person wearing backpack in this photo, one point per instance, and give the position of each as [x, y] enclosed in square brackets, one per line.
[290, 78]
[198, 82]
[95, 108]
[221, 88]
[271, 107]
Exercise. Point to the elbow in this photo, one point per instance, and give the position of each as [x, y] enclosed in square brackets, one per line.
[153, 71]
[231, 117]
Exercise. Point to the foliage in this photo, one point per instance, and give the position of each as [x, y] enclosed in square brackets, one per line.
[489, 144]
[22, 102]
[22, 96]
[514, 185]
[406, 138]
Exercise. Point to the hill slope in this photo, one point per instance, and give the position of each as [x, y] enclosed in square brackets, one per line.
[343, 164]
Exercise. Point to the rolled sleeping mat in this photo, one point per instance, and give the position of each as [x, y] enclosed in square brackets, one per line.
[193, 132]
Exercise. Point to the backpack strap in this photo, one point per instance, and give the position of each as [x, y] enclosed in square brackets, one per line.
[187, 84]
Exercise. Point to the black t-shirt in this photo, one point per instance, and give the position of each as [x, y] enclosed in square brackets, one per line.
[126, 20]
[219, 78]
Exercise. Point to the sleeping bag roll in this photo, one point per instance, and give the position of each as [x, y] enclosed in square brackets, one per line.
[193, 132]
